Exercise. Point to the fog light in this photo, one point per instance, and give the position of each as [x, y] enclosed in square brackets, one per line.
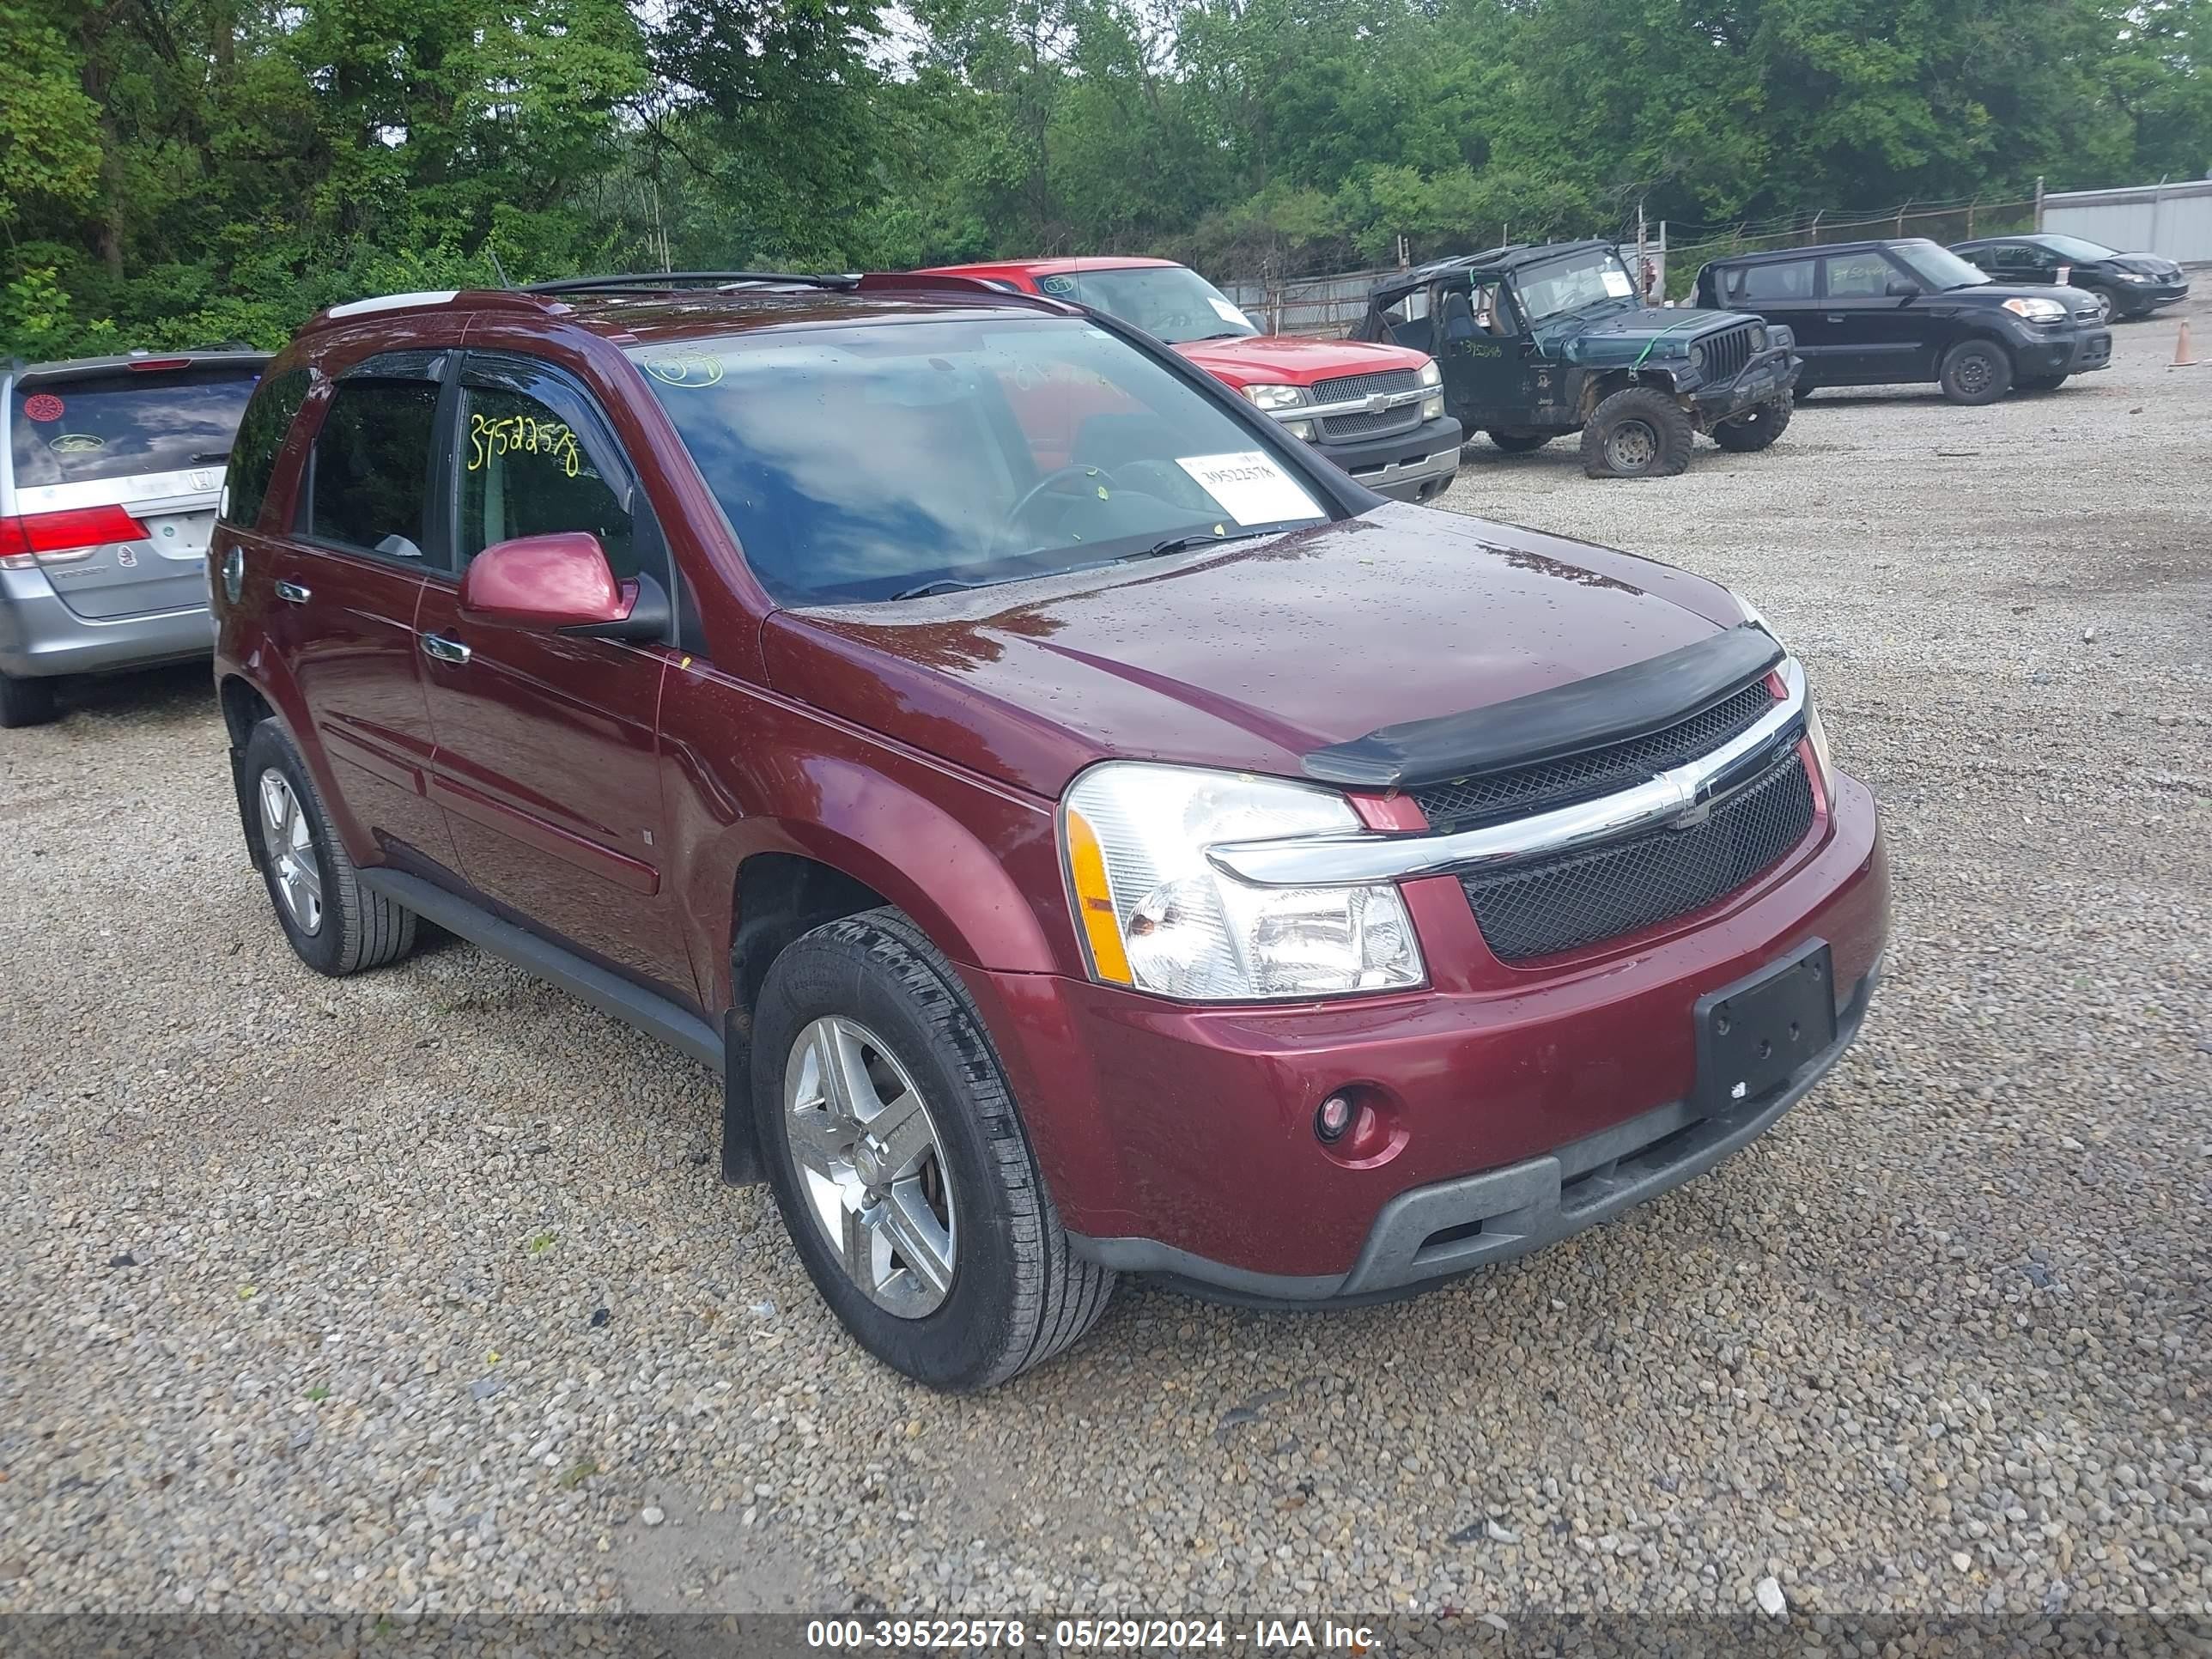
[1334, 1118]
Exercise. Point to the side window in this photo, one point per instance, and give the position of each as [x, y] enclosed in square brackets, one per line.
[268, 417]
[528, 470]
[2028, 257]
[1786, 279]
[371, 468]
[1863, 276]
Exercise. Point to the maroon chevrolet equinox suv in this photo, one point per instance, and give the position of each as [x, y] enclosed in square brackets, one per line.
[1089, 833]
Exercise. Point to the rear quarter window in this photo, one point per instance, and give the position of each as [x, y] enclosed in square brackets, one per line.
[260, 439]
[77, 430]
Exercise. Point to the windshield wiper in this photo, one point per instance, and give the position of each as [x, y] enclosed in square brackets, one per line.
[1156, 550]
[1180, 544]
[948, 585]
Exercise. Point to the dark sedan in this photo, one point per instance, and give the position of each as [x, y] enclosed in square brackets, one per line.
[2126, 284]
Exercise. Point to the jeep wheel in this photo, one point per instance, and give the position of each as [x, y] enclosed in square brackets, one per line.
[2043, 383]
[891, 1141]
[1637, 432]
[26, 702]
[1756, 427]
[336, 925]
[1976, 372]
[1519, 443]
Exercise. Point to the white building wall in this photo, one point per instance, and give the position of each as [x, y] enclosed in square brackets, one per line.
[2173, 220]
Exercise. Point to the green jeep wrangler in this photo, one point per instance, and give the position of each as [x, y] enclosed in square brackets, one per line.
[1535, 342]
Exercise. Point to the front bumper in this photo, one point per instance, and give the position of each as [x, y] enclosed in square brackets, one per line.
[2139, 297]
[40, 635]
[1767, 376]
[1410, 466]
[2063, 352]
[1179, 1139]
[1453, 1227]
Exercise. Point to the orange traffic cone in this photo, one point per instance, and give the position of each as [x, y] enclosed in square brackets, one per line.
[2183, 357]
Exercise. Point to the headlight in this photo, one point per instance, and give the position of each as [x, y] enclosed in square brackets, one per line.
[1758, 337]
[1432, 409]
[1817, 735]
[1697, 356]
[2037, 310]
[2133, 277]
[1276, 397]
[1431, 375]
[1155, 915]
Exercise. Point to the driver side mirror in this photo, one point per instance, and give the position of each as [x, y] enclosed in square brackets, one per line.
[561, 584]
[1901, 288]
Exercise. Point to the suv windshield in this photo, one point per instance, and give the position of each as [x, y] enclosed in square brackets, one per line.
[77, 429]
[1172, 303]
[870, 462]
[1938, 267]
[1571, 282]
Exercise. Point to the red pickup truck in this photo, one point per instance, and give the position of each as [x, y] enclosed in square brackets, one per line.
[1376, 411]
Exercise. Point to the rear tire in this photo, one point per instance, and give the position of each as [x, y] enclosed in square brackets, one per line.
[1519, 443]
[1637, 432]
[1000, 1291]
[2044, 383]
[1756, 427]
[26, 702]
[1976, 372]
[335, 925]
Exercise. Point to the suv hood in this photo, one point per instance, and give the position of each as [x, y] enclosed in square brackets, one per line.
[1609, 337]
[1249, 658]
[1288, 360]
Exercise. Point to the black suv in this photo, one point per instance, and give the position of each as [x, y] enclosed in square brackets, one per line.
[2128, 284]
[1887, 312]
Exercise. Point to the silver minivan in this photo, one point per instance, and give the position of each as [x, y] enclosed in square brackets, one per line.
[110, 472]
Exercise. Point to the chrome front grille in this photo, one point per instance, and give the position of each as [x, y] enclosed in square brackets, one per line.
[1369, 423]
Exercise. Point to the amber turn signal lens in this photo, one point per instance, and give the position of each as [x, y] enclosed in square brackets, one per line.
[1094, 903]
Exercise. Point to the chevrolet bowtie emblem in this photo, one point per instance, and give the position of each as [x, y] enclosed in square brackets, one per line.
[1377, 402]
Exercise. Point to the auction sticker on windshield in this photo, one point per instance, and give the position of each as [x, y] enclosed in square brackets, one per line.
[1250, 487]
[1617, 284]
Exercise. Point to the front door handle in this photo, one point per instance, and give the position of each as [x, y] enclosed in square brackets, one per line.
[443, 650]
[1835, 316]
[293, 593]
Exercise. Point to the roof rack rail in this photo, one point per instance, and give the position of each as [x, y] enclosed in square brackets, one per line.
[658, 279]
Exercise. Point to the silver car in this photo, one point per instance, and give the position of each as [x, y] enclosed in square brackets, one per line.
[110, 471]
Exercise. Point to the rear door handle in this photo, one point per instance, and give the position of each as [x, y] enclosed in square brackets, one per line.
[444, 650]
[1835, 316]
[293, 593]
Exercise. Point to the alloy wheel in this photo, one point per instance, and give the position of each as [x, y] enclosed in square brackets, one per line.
[290, 848]
[871, 1167]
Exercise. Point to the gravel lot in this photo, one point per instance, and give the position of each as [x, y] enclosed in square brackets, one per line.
[419, 1291]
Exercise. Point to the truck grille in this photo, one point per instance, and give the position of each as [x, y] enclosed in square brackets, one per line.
[1580, 898]
[1726, 353]
[1488, 798]
[1364, 425]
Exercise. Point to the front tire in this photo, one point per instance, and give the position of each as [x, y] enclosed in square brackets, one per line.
[1637, 432]
[896, 1155]
[335, 925]
[1756, 429]
[25, 703]
[1519, 443]
[1976, 372]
